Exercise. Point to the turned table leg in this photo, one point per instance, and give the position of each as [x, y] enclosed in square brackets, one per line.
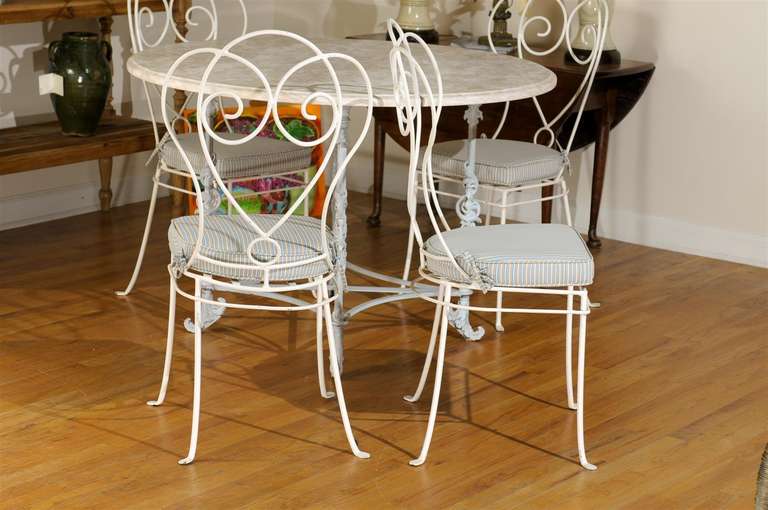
[105, 193]
[546, 205]
[105, 164]
[605, 121]
[379, 146]
[105, 33]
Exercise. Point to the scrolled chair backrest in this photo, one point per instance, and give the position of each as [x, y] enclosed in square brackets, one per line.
[327, 93]
[542, 27]
[415, 88]
[150, 29]
[142, 19]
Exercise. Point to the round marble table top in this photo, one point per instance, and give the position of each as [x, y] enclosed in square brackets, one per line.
[469, 77]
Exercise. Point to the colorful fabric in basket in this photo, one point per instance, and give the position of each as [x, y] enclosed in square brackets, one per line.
[278, 201]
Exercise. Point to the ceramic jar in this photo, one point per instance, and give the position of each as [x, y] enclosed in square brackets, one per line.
[82, 60]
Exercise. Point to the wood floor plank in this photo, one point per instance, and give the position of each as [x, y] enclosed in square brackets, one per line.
[676, 401]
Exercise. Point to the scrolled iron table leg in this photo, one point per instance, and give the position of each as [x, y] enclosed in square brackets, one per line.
[340, 237]
[468, 209]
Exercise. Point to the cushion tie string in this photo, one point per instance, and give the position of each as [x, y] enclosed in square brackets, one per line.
[477, 275]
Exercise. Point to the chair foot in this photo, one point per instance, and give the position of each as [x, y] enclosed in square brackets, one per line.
[121, 293]
[411, 398]
[586, 465]
[186, 460]
[439, 364]
[328, 394]
[336, 372]
[154, 403]
[499, 306]
[360, 454]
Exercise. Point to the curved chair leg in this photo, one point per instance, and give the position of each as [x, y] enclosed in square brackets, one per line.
[499, 305]
[408, 255]
[144, 240]
[430, 349]
[580, 385]
[337, 378]
[168, 347]
[569, 350]
[197, 376]
[499, 295]
[566, 204]
[438, 382]
[319, 334]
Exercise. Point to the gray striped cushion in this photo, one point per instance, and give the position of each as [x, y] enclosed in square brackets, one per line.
[261, 156]
[499, 162]
[515, 255]
[227, 238]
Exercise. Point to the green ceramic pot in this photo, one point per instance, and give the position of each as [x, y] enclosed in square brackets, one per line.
[82, 59]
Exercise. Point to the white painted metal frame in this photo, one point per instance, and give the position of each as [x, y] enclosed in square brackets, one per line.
[140, 20]
[403, 287]
[264, 286]
[415, 91]
[468, 205]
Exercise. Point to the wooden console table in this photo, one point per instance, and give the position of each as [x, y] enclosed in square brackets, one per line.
[615, 92]
[42, 145]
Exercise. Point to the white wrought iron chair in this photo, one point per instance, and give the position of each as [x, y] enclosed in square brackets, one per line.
[507, 258]
[273, 256]
[265, 157]
[502, 168]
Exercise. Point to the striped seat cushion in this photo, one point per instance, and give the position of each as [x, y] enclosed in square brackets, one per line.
[499, 162]
[226, 238]
[261, 156]
[514, 255]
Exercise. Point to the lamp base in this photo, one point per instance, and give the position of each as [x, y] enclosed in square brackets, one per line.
[430, 36]
[609, 57]
[499, 40]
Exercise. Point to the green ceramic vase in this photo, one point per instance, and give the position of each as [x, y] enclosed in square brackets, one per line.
[82, 60]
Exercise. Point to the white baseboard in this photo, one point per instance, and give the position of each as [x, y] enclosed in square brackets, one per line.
[70, 200]
[669, 234]
[663, 233]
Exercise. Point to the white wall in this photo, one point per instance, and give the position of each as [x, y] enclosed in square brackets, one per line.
[688, 168]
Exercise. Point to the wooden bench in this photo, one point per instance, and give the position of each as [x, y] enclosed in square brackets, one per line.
[42, 145]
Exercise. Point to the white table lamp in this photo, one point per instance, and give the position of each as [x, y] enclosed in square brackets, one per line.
[584, 41]
[414, 17]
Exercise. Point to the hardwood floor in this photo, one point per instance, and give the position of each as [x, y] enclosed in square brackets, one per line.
[676, 409]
